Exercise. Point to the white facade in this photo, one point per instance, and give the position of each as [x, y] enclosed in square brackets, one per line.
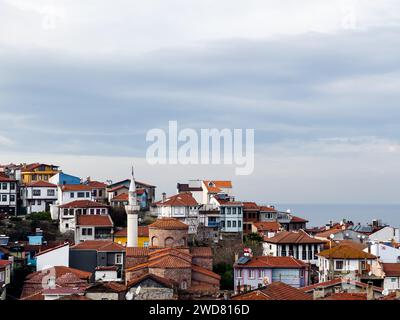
[207, 196]
[39, 199]
[391, 284]
[346, 268]
[385, 254]
[304, 252]
[106, 275]
[8, 196]
[54, 257]
[67, 196]
[231, 216]
[187, 214]
[386, 234]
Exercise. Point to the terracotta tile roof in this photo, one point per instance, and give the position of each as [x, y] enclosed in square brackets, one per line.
[122, 186]
[267, 226]
[121, 197]
[59, 272]
[179, 200]
[267, 209]
[274, 291]
[338, 281]
[327, 233]
[391, 269]
[344, 251]
[201, 252]
[52, 249]
[107, 286]
[295, 219]
[6, 179]
[97, 220]
[33, 166]
[99, 245]
[206, 272]
[250, 206]
[41, 184]
[227, 202]
[346, 296]
[75, 187]
[137, 252]
[272, 262]
[106, 268]
[96, 185]
[37, 296]
[164, 281]
[143, 231]
[84, 204]
[62, 291]
[170, 262]
[4, 263]
[216, 186]
[168, 224]
[293, 237]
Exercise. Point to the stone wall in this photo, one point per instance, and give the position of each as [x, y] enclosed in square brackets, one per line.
[168, 238]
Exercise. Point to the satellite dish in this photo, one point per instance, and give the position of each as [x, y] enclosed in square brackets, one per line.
[138, 290]
[332, 236]
[129, 296]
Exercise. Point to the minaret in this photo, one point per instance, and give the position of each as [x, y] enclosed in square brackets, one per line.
[132, 211]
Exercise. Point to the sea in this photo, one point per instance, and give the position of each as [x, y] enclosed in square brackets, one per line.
[321, 214]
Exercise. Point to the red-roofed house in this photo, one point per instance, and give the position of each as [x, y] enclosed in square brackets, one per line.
[251, 214]
[37, 196]
[391, 281]
[71, 210]
[296, 244]
[8, 195]
[93, 227]
[253, 272]
[181, 206]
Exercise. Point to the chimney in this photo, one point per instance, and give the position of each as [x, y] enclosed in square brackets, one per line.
[370, 291]
[164, 197]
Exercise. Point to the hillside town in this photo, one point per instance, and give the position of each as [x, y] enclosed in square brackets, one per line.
[64, 237]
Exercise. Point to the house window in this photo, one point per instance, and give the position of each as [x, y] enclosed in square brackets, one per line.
[94, 193]
[91, 211]
[184, 285]
[118, 258]
[339, 265]
[363, 265]
[81, 194]
[228, 210]
[12, 186]
[72, 195]
[239, 273]
[302, 273]
[260, 274]
[39, 202]
[234, 210]
[100, 193]
[4, 186]
[87, 194]
[65, 212]
[234, 224]
[12, 198]
[222, 210]
[229, 224]
[36, 192]
[67, 225]
[4, 198]
[51, 192]
[252, 274]
[240, 224]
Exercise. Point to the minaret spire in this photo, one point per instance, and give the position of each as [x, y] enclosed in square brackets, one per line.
[132, 211]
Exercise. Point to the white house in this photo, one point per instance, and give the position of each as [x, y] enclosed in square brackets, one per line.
[117, 191]
[293, 244]
[8, 195]
[194, 187]
[231, 213]
[391, 280]
[5, 277]
[38, 196]
[72, 192]
[211, 188]
[386, 234]
[345, 261]
[57, 256]
[70, 211]
[385, 253]
[182, 207]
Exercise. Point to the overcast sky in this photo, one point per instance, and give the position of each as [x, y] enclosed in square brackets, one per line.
[81, 82]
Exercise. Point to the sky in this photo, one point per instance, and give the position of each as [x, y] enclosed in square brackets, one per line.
[82, 82]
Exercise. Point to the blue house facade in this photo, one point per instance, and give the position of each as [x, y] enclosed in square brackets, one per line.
[63, 178]
[252, 273]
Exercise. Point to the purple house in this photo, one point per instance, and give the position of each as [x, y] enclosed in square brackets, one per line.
[255, 272]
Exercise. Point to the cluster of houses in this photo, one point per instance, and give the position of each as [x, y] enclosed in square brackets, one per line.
[172, 257]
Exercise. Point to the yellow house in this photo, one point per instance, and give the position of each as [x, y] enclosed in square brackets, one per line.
[143, 236]
[38, 172]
